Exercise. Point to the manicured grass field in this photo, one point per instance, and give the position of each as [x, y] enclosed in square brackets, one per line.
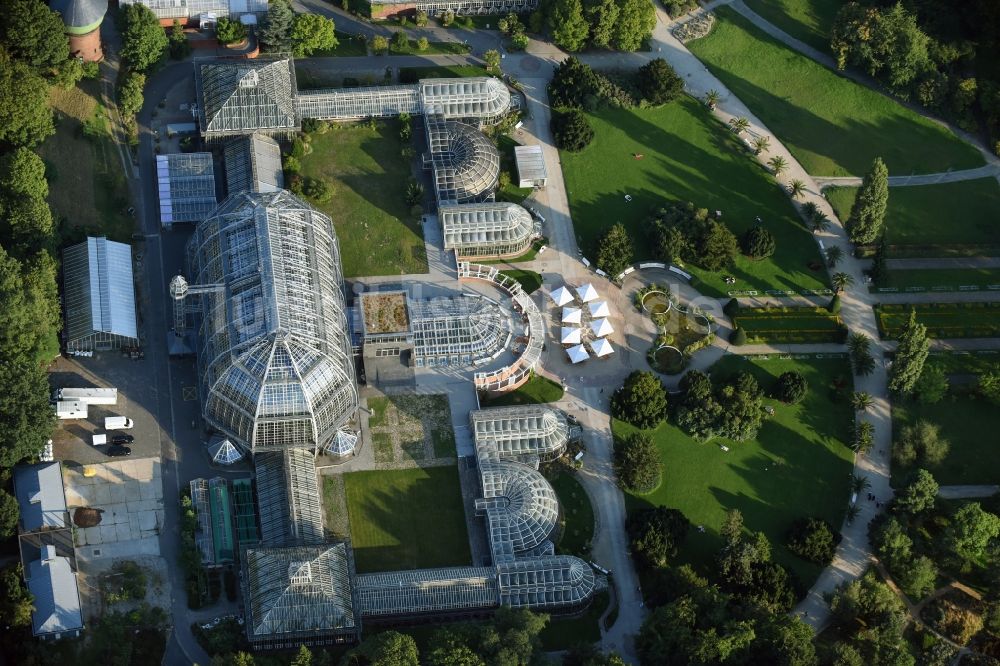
[367, 176]
[966, 363]
[433, 48]
[530, 280]
[942, 280]
[833, 126]
[527, 256]
[962, 213]
[406, 519]
[799, 465]
[348, 45]
[687, 156]
[943, 320]
[439, 72]
[508, 165]
[565, 633]
[536, 390]
[807, 20]
[577, 515]
[790, 325]
[969, 424]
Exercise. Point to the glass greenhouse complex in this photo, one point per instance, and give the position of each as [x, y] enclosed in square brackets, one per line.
[276, 364]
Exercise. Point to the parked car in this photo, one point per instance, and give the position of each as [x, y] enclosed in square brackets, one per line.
[117, 451]
[122, 439]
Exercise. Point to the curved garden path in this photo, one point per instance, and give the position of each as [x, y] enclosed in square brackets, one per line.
[854, 552]
[827, 60]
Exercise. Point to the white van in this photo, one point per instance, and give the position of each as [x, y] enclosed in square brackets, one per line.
[117, 423]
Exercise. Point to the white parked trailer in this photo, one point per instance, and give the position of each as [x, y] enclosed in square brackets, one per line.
[70, 409]
[89, 396]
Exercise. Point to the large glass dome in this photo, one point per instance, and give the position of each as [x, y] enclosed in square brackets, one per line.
[466, 163]
[274, 356]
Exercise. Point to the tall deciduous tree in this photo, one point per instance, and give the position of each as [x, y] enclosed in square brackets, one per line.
[15, 600]
[34, 34]
[144, 42]
[656, 534]
[389, 648]
[641, 401]
[312, 32]
[614, 252]
[9, 513]
[602, 16]
[868, 212]
[911, 353]
[25, 116]
[636, 20]
[919, 494]
[22, 174]
[971, 531]
[569, 27]
[277, 31]
[637, 463]
[659, 82]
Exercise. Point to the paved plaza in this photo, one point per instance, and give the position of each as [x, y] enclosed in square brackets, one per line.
[129, 495]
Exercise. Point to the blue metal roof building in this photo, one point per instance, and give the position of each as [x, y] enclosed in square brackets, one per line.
[39, 492]
[99, 296]
[52, 582]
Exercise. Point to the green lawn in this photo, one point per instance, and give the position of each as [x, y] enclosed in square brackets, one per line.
[377, 232]
[961, 213]
[407, 519]
[965, 421]
[565, 633]
[433, 48]
[799, 465]
[527, 256]
[508, 165]
[790, 325]
[942, 280]
[687, 156]
[577, 515]
[966, 363]
[833, 126]
[348, 45]
[530, 280]
[535, 391]
[807, 20]
[943, 320]
[413, 74]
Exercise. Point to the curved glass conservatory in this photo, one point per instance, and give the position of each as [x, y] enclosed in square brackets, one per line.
[274, 357]
[466, 163]
[487, 229]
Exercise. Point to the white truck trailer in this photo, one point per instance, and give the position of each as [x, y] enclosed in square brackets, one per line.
[89, 396]
[70, 409]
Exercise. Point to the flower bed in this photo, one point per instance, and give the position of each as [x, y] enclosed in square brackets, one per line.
[790, 325]
[943, 320]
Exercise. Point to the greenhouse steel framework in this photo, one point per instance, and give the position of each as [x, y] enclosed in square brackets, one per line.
[299, 595]
[237, 96]
[275, 361]
[99, 296]
[253, 163]
[288, 497]
[169, 9]
[465, 162]
[487, 230]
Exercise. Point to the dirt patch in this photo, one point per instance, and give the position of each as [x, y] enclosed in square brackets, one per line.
[86, 517]
[385, 313]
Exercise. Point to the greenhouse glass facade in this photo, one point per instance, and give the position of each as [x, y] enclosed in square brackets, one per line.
[275, 362]
[466, 164]
[487, 229]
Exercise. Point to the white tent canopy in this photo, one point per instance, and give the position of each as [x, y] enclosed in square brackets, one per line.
[577, 354]
[562, 296]
[587, 293]
[601, 347]
[571, 315]
[599, 309]
[570, 336]
[601, 327]
[223, 452]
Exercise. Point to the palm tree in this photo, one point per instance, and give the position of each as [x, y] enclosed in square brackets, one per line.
[712, 99]
[796, 187]
[864, 437]
[778, 164]
[862, 401]
[739, 125]
[858, 343]
[809, 209]
[859, 483]
[853, 512]
[761, 144]
[834, 254]
[819, 222]
[841, 281]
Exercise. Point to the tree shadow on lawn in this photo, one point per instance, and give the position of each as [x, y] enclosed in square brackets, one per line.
[385, 191]
[849, 149]
[418, 542]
